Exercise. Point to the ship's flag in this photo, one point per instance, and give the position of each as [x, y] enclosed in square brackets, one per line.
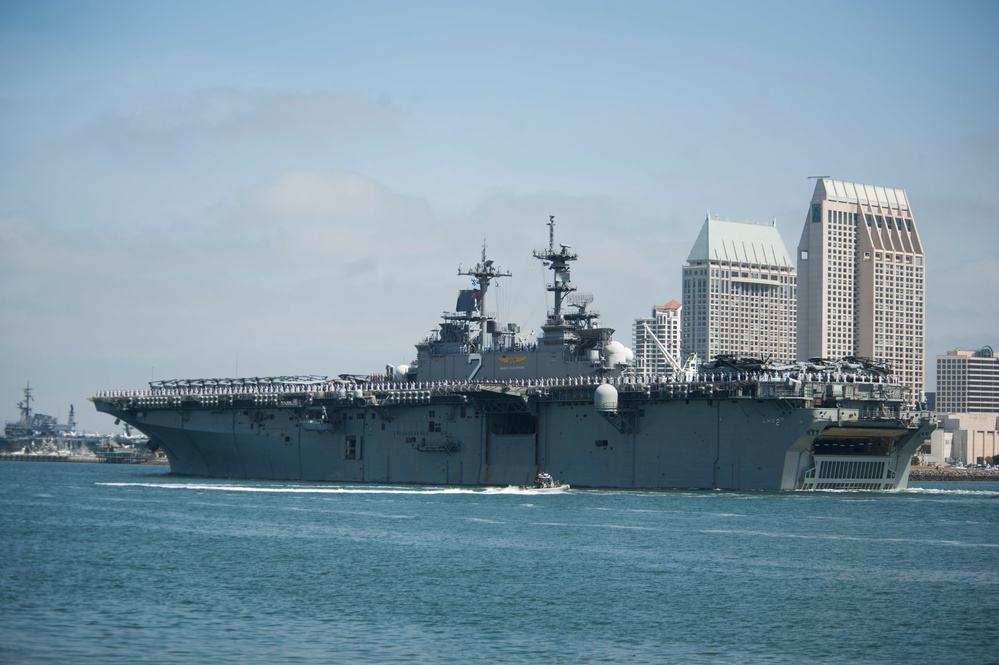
[466, 301]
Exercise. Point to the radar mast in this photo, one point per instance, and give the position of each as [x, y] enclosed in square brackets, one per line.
[483, 274]
[558, 263]
[25, 406]
[567, 328]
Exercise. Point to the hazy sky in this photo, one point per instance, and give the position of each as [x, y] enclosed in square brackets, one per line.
[191, 189]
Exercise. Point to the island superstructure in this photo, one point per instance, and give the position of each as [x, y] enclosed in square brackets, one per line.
[482, 406]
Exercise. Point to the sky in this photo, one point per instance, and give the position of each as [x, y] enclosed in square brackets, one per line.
[195, 189]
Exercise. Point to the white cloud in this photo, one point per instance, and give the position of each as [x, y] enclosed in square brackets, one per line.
[234, 114]
[310, 194]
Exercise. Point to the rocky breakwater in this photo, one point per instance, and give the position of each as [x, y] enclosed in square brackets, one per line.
[949, 473]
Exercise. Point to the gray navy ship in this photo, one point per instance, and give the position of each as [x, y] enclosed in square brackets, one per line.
[40, 437]
[480, 405]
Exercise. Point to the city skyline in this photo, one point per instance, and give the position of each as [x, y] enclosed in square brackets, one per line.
[196, 190]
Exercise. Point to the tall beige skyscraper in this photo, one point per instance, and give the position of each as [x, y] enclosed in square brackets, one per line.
[861, 277]
[739, 292]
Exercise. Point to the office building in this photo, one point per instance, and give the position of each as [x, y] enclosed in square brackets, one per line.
[968, 382]
[739, 293]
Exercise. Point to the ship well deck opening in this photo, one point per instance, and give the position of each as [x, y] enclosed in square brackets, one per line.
[862, 446]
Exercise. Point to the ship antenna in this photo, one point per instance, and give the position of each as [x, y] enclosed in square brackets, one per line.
[483, 274]
[25, 406]
[557, 262]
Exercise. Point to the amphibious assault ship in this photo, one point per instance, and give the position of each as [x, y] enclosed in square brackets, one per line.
[481, 405]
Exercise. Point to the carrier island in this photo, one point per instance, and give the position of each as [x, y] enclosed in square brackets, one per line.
[481, 405]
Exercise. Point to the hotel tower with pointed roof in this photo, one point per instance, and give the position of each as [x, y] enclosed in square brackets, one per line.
[739, 292]
[861, 275]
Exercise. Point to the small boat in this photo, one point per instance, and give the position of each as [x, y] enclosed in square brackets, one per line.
[544, 483]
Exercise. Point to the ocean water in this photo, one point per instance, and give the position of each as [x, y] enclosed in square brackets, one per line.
[128, 564]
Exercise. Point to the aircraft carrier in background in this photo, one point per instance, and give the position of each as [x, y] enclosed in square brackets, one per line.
[480, 405]
[40, 437]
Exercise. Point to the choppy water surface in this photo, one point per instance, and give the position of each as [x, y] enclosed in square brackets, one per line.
[122, 564]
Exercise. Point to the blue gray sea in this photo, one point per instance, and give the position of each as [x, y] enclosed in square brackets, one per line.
[129, 564]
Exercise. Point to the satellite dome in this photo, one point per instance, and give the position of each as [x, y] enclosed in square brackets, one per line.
[605, 398]
[617, 353]
[613, 347]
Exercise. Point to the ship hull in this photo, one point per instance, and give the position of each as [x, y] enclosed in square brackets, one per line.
[500, 435]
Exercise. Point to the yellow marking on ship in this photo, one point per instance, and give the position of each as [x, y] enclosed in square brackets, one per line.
[512, 360]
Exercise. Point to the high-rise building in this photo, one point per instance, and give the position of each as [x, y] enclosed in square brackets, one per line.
[968, 382]
[861, 279]
[664, 324]
[739, 292]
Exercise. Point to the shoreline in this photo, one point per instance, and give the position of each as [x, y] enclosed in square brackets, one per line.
[74, 459]
[952, 474]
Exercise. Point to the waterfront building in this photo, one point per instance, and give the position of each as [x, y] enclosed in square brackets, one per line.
[972, 437]
[939, 450]
[739, 288]
[861, 277]
[967, 399]
[664, 324]
[968, 382]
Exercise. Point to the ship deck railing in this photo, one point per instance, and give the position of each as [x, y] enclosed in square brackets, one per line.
[804, 388]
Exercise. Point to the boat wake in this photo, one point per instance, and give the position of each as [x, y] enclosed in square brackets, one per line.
[300, 489]
[938, 491]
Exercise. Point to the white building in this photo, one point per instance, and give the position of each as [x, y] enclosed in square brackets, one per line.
[665, 325]
[972, 437]
[739, 293]
[861, 273]
[967, 398]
